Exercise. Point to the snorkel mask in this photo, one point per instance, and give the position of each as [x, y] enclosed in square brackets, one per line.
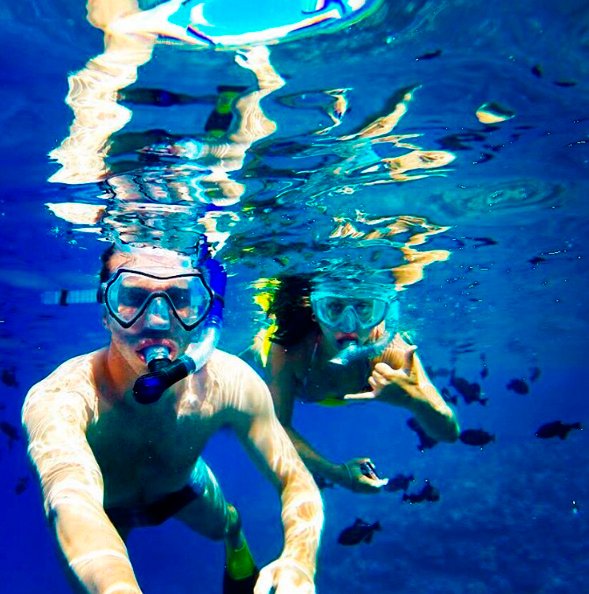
[129, 293]
[349, 308]
[163, 372]
[195, 299]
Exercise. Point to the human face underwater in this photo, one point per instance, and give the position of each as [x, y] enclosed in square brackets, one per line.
[349, 313]
[154, 297]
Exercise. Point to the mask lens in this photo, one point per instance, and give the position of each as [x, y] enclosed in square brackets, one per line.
[331, 310]
[128, 294]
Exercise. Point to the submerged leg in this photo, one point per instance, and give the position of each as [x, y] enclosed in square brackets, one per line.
[241, 572]
[210, 515]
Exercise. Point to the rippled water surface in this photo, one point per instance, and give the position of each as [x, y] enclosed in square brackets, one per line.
[445, 143]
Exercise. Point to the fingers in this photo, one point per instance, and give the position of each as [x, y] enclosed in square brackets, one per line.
[284, 577]
[264, 583]
[383, 375]
[361, 395]
[363, 476]
[409, 357]
[384, 372]
[287, 588]
[369, 485]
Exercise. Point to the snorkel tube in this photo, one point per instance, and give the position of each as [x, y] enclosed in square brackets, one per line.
[163, 372]
[353, 351]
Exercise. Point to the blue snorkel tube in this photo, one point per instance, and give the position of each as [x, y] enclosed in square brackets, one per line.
[163, 372]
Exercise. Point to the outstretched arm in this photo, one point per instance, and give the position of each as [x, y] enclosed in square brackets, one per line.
[400, 379]
[302, 507]
[352, 474]
[55, 416]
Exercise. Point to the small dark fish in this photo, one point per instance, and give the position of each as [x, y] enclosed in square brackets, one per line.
[425, 441]
[430, 55]
[8, 377]
[476, 437]
[536, 260]
[484, 241]
[441, 372]
[565, 83]
[400, 482]
[448, 396]
[359, 531]
[10, 431]
[322, 482]
[556, 429]
[519, 386]
[21, 485]
[427, 493]
[465, 347]
[470, 391]
[535, 373]
[485, 368]
[459, 142]
[536, 70]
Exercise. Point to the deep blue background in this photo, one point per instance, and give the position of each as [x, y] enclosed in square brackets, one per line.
[506, 521]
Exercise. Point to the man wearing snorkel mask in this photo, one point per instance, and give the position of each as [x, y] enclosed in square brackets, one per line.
[116, 435]
[335, 342]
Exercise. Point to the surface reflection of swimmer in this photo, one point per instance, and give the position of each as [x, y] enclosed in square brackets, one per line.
[352, 159]
[230, 132]
[116, 435]
[333, 343]
[95, 90]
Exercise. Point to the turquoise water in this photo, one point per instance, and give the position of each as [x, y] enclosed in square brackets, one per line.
[502, 207]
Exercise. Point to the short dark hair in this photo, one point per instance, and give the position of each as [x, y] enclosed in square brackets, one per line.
[105, 271]
[105, 257]
[291, 307]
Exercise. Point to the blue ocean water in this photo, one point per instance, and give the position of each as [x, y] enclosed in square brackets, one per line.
[500, 206]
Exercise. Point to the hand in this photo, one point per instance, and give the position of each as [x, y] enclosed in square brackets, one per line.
[397, 386]
[361, 476]
[285, 576]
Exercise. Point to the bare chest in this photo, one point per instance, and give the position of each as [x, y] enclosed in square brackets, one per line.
[146, 452]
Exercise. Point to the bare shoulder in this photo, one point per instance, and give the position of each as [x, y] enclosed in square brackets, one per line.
[237, 385]
[70, 387]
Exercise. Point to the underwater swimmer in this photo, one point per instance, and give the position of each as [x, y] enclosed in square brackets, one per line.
[112, 453]
[331, 346]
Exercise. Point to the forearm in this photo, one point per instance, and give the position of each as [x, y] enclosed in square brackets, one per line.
[433, 414]
[302, 518]
[93, 549]
[315, 462]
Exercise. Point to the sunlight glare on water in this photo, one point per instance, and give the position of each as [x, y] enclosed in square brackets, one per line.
[442, 146]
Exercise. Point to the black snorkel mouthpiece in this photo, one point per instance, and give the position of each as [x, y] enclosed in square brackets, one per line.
[163, 373]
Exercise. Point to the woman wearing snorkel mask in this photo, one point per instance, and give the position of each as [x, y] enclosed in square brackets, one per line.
[335, 342]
